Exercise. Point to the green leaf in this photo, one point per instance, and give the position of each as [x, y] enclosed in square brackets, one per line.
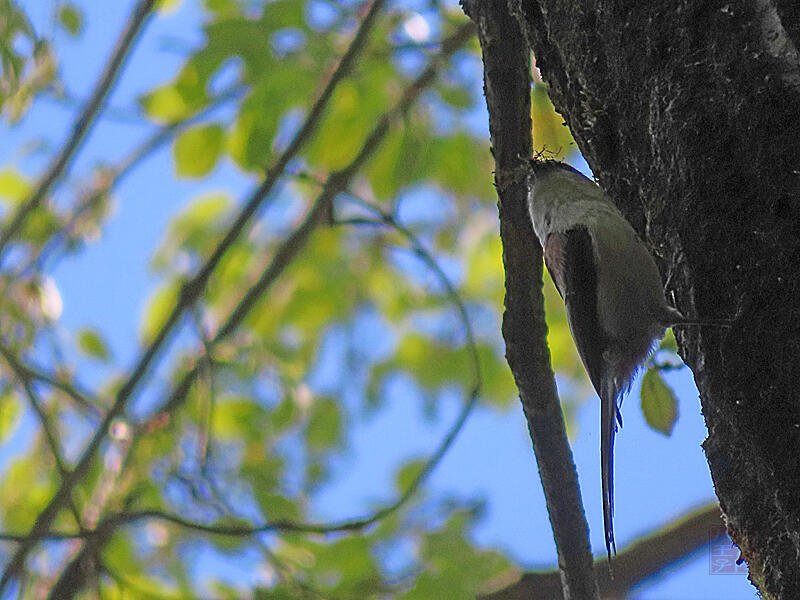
[238, 418]
[197, 150]
[26, 488]
[166, 104]
[408, 473]
[10, 412]
[324, 427]
[158, 308]
[92, 344]
[285, 415]
[278, 506]
[202, 218]
[669, 343]
[659, 405]
[453, 567]
[435, 364]
[71, 18]
[13, 186]
[167, 6]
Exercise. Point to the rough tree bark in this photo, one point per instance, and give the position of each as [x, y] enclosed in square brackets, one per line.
[688, 112]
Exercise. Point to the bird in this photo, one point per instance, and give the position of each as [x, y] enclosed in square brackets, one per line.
[612, 290]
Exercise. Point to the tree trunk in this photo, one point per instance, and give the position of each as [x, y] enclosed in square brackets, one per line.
[688, 112]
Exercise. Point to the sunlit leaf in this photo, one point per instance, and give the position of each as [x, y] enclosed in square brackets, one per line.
[238, 419]
[71, 18]
[13, 186]
[197, 149]
[26, 488]
[434, 365]
[10, 413]
[91, 343]
[168, 6]
[669, 342]
[166, 104]
[659, 404]
[158, 308]
[454, 568]
[194, 228]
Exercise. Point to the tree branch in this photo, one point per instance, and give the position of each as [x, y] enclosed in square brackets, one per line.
[113, 176]
[639, 561]
[332, 187]
[81, 126]
[189, 294]
[49, 433]
[336, 183]
[506, 59]
[51, 437]
[79, 396]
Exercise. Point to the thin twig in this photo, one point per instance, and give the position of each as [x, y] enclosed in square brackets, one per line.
[644, 558]
[385, 220]
[284, 571]
[44, 422]
[80, 396]
[207, 373]
[80, 128]
[190, 292]
[335, 184]
[113, 176]
[119, 114]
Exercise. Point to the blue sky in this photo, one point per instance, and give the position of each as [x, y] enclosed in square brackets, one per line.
[657, 478]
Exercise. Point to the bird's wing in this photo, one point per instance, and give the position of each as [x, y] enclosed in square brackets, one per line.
[570, 258]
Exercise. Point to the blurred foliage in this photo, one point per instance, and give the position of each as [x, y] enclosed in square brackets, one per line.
[27, 61]
[271, 412]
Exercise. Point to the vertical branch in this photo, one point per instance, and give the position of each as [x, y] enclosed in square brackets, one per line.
[83, 123]
[506, 60]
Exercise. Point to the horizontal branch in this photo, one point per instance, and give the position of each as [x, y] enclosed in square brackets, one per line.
[639, 561]
[644, 558]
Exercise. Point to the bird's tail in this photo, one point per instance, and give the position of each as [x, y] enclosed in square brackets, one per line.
[608, 429]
